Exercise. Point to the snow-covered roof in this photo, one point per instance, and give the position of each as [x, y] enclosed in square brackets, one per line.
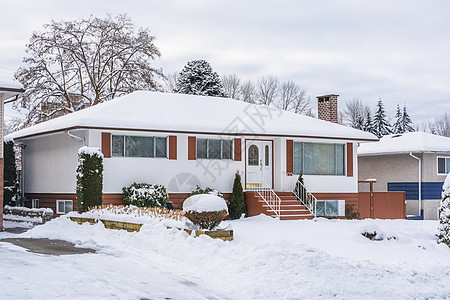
[153, 111]
[9, 87]
[404, 143]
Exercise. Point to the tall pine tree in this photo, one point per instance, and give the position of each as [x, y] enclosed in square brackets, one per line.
[368, 123]
[406, 121]
[381, 125]
[198, 78]
[398, 125]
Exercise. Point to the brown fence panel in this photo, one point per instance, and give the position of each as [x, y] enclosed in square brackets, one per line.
[386, 205]
[364, 204]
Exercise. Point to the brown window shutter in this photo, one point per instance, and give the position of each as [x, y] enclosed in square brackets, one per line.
[173, 147]
[350, 159]
[106, 144]
[289, 157]
[237, 150]
[192, 148]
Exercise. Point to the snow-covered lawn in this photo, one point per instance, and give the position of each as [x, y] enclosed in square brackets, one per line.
[269, 259]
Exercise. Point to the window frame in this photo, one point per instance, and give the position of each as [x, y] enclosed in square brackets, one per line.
[339, 206]
[57, 206]
[34, 202]
[445, 165]
[155, 138]
[221, 148]
[336, 160]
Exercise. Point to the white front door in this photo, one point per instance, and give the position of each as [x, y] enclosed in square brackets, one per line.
[259, 163]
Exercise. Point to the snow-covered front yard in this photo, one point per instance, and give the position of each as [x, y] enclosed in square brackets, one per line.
[268, 259]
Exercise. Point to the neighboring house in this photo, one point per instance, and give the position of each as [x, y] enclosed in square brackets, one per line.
[400, 162]
[181, 141]
[8, 90]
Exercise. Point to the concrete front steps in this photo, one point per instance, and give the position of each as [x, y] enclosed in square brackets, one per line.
[290, 209]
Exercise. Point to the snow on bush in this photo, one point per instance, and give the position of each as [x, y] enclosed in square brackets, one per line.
[145, 195]
[205, 210]
[374, 233]
[134, 214]
[444, 214]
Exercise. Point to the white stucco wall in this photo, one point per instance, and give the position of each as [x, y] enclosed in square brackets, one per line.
[50, 163]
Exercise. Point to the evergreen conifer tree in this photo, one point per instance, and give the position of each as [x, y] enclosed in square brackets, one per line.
[444, 214]
[89, 178]
[9, 174]
[198, 78]
[398, 125]
[237, 202]
[368, 123]
[381, 125]
[406, 121]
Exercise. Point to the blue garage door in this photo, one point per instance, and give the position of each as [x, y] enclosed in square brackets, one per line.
[430, 190]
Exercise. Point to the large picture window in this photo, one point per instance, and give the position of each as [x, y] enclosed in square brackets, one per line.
[139, 146]
[214, 149]
[319, 159]
[443, 165]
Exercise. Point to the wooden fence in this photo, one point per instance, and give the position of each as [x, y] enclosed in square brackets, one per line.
[382, 205]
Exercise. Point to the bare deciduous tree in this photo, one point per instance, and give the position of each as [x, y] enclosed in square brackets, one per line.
[267, 88]
[439, 126]
[248, 93]
[170, 82]
[232, 85]
[74, 64]
[293, 98]
[354, 113]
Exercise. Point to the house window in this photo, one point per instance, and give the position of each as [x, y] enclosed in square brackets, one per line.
[266, 155]
[443, 165]
[330, 207]
[318, 159]
[34, 203]
[63, 206]
[139, 146]
[214, 149]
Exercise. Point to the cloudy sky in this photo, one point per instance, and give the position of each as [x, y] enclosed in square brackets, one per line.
[398, 51]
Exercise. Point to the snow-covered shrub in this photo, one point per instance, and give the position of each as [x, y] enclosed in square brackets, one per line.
[205, 210]
[198, 190]
[444, 214]
[145, 195]
[374, 233]
[237, 201]
[89, 178]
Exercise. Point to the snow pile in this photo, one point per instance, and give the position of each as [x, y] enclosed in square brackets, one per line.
[204, 203]
[91, 151]
[268, 259]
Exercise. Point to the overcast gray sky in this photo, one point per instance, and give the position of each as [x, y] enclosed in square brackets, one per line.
[394, 50]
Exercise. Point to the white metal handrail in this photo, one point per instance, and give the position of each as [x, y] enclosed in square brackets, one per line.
[305, 196]
[267, 194]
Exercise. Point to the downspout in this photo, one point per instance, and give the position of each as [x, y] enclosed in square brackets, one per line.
[80, 139]
[420, 182]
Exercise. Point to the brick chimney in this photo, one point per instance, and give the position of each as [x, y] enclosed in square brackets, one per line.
[327, 107]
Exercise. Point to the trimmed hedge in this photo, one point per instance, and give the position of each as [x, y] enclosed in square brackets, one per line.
[89, 178]
[145, 195]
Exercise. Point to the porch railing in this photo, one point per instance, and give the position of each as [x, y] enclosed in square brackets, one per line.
[266, 193]
[305, 196]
